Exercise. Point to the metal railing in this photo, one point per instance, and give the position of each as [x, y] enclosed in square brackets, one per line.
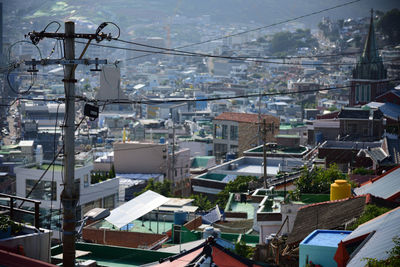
[12, 209]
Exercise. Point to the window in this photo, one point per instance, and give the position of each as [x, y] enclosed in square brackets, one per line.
[45, 190]
[234, 132]
[234, 149]
[109, 202]
[357, 93]
[86, 180]
[218, 131]
[224, 131]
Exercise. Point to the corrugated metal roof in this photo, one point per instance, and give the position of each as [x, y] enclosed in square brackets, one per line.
[136, 208]
[386, 227]
[386, 186]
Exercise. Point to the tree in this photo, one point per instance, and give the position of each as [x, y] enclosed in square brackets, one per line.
[202, 202]
[240, 184]
[389, 24]
[370, 212]
[318, 180]
[244, 250]
[163, 188]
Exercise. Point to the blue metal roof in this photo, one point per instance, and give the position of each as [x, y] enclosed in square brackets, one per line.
[386, 186]
[386, 227]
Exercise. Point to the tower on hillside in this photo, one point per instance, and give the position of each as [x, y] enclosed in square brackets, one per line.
[369, 75]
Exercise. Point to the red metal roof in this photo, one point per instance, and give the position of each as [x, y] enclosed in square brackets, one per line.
[243, 117]
[11, 259]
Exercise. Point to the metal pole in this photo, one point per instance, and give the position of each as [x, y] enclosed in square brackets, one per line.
[69, 197]
[173, 153]
[265, 153]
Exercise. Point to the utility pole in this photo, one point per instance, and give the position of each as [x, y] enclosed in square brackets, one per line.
[69, 197]
[265, 130]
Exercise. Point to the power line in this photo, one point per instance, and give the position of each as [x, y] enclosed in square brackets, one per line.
[245, 59]
[260, 28]
[119, 101]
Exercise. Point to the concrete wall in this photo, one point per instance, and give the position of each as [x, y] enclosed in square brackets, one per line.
[121, 238]
[134, 157]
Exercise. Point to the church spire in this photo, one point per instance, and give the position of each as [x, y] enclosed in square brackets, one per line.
[370, 65]
[370, 50]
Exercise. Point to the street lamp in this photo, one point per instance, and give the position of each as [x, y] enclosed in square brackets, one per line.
[95, 214]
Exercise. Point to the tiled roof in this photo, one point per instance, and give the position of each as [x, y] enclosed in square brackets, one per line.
[331, 215]
[356, 113]
[243, 117]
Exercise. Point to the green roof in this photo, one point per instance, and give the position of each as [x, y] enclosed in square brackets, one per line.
[287, 136]
[314, 198]
[201, 162]
[115, 256]
[213, 176]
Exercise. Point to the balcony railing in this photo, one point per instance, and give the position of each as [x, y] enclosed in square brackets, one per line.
[12, 209]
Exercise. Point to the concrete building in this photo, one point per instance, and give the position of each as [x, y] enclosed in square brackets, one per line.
[97, 195]
[237, 132]
[153, 158]
[212, 182]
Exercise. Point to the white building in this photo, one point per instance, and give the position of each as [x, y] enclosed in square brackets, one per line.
[103, 194]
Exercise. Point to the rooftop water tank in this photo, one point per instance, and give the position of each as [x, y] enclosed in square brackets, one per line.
[340, 189]
[162, 140]
[180, 217]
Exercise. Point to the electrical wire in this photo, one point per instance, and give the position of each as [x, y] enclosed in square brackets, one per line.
[54, 155]
[245, 59]
[118, 101]
[260, 28]
[47, 169]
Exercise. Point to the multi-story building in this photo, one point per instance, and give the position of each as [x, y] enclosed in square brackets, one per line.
[156, 159]
[48, 190]
[361, 125]
[237, 132]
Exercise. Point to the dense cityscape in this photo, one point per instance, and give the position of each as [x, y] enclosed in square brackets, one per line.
[183, 133]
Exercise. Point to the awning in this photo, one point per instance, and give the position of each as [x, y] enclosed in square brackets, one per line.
[136, 208]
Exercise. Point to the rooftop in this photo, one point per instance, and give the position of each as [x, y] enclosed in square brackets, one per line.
[242, 117]
[279, 150]
[114, 256]
[325, 238]
[147, 226]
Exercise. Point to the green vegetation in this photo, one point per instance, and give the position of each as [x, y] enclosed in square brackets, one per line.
[316, 181]
[389, 25]
[362, 171]
[7, 224]
[243, 250]
[287, 41]
[202, 202]
[370, 212]
[97, 177]
[163, 188]
[393, 259]
[240, 184]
